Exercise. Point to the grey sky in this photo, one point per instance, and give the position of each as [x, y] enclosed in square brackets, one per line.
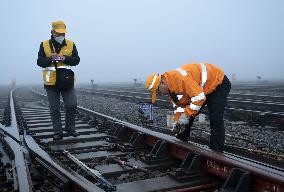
[119, 40]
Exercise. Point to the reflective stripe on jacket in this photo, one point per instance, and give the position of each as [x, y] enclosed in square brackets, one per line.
[193, 82]
[49, 73]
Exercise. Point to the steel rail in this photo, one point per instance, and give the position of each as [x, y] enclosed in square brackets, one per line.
[77, 179]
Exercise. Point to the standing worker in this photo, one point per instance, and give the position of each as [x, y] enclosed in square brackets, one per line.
[190, 87]
[56, 56]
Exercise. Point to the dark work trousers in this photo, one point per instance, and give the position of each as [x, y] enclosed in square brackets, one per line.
[216, 102]
[70, 105]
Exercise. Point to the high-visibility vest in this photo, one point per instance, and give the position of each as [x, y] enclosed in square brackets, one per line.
[49, 73]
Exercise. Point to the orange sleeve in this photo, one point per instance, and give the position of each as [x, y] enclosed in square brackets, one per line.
[195, 92]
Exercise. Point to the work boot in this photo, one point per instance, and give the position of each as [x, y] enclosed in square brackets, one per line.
[58, 135]
[184, 135]
[72, 132]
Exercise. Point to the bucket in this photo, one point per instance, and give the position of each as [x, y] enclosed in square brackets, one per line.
[170, 121]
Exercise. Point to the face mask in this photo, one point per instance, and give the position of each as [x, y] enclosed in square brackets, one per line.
[59, 39]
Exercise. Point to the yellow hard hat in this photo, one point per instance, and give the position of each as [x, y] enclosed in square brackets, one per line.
[152, 84]
[59, 27]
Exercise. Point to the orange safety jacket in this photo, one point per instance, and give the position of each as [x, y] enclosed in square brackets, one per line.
[191, 83]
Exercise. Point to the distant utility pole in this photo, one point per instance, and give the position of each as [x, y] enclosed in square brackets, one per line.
[92, 83]
[135, 81]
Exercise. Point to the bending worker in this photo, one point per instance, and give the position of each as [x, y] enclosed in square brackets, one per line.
[59, 53]
[190, 87]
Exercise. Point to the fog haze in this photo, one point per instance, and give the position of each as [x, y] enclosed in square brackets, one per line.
[119, 40]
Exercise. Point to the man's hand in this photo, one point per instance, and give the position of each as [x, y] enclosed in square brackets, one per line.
[56, 57]
[53, 56]
[183, 119]
[178, 125]
[176, 128]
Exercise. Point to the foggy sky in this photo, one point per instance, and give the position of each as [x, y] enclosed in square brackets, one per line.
[119, 40]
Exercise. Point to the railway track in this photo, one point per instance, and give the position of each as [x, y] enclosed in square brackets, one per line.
[261, 109]
[265, 89]
[275, 103]
[113, 155]
[253, 144]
